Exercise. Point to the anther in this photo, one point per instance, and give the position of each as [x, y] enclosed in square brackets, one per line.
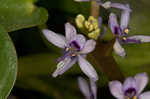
[126, 31]
[73, 55]
[124, 38]
[134, 97]
[67, 49]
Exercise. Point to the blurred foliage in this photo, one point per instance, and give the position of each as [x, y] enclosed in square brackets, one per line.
[8, 64]
[18, 14]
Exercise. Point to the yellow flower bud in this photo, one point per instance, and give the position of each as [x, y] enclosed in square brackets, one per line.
[94, 34]
[88, 26]
[93, 21]
[80, 21]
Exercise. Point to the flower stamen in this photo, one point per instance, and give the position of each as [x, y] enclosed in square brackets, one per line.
[66, 49]
[124, 38]
[73, 55]
[135, 97]
[126, 31]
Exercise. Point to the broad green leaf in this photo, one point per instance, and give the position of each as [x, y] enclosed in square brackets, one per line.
[8, 64]
[18, 14]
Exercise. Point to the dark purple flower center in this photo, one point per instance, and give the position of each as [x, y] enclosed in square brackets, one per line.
[131, 92]
[75, 45]
[117, 30]
[69, 51]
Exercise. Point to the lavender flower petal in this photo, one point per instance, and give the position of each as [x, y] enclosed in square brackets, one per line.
[141, 82]
[119, 49]
[130, 41]
[120, 6]
[61, 66]
[113, 24]
[125, 16]
[57, 39]
[130, 82]
[70, 32]
[83, 85]
[88, 47]
[93, 88]
[87, 68]
[73, 61]
[109, 4]
[145, 95]
[142, 38]
[106, 5]
[116, 89]
[80, 39]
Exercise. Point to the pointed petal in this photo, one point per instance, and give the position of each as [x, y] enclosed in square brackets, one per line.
[130, 82]
[83, 85]
[120, 6]
[81, 40]
[82, 0]
[88, 47]
[70, 32]
[93, 88]
[61, 66]
[109, 4]
[113, 24]
[141, 81]
[119, 49]
[125, 16]
[73, 61]
[56, 39]
[87, 68]
[145, 95]
[106, 5]
[142, 38]
[116, 89]
[130, 41]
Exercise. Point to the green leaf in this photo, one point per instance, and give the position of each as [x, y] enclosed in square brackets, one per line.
[18, 14]
[67, 6]
[8, 64]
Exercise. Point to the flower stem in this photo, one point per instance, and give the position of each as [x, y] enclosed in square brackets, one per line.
[94, 9]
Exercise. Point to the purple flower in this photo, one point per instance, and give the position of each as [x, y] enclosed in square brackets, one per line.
[121, 32]
[75, 47]
[131, 88]
[89, 93]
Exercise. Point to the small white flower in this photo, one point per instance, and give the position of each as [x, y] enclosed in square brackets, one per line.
[75, 49]
[131, 88]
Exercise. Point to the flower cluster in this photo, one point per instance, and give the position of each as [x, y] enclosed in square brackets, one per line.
[121, 31]
[76, 47]
[91, 27]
